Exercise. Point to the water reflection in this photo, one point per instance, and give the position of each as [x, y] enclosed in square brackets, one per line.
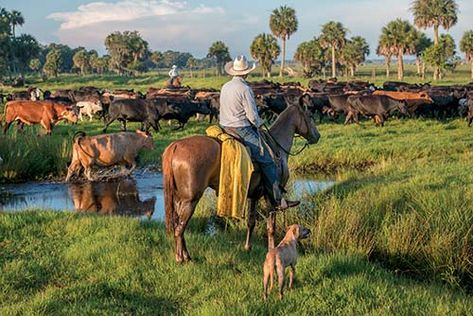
[118, 197]
[141, 196]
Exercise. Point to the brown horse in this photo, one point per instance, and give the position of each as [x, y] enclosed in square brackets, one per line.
[192, 164]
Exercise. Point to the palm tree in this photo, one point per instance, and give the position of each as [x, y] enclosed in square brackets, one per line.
[400, 36]
[220, 52]
[422, 43]
[333, 36]
[81, 60]
[435, 13]
[466, 46]
[354, 53]
[384, 49]
[16, 18]
[191, 63]
[265, 49]
[311, 56]
[283, 23]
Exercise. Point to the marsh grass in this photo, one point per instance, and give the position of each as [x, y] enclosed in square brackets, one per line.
[71, 263]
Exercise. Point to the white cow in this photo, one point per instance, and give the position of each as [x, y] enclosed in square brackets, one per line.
[89, 108]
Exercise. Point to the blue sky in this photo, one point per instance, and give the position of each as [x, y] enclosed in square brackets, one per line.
[193, 25]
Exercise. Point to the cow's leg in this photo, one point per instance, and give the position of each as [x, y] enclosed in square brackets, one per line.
[73, 169]
[348, 118]
[88, 173]
[47, 126]
[271, 228]
[19, 126]
[108, 123]
[251, 223]
[124, 125]
[185, 209]
[6, 127]
[155, 126]
[355, 118]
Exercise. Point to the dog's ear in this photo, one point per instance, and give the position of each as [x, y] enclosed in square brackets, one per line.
[295, 230]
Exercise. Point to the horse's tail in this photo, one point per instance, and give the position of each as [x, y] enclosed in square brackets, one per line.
[169, 188]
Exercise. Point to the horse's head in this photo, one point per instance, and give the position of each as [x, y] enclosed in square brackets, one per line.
[305, 126]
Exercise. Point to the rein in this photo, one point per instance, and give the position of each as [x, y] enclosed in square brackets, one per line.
[281, 147]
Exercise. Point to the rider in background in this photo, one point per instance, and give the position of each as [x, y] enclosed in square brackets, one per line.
[239, 115]
[175, 80]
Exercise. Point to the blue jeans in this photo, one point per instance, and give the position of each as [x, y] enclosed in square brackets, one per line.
[263, 159]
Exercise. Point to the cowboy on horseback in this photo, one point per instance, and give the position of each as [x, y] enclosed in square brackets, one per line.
[239, 117]
[175, 80]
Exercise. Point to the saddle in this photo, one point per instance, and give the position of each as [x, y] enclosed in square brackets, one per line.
[272, 146]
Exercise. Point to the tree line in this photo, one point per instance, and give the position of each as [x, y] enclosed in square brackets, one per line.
[128, 53]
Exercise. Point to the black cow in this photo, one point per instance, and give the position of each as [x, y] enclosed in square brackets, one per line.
[376, 106]
[134, 110]
[182, 111]
[316, 103]
[338, 104]
[270, 105]
[470, 111]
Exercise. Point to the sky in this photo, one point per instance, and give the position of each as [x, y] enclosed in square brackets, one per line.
[193, 25]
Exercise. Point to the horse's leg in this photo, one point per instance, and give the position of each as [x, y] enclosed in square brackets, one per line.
[271, 228]
[251, 223]
[185, 209]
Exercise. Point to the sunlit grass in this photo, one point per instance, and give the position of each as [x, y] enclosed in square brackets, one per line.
[79, 264]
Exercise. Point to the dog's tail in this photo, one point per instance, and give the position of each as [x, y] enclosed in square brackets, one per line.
[169, 188]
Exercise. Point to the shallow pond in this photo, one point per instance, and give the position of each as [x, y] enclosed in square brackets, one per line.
[140, 196]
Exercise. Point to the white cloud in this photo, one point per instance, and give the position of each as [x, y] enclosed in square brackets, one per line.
[164, 24]
[125, 10]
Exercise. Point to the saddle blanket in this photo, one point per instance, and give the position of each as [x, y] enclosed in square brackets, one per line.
[236, 168]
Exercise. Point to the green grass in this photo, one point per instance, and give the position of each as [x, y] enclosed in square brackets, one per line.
[70, 263]
[393, 236]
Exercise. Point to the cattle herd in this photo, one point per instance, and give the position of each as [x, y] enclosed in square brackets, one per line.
[328, 99]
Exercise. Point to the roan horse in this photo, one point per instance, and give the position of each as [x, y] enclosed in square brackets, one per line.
[192, 164]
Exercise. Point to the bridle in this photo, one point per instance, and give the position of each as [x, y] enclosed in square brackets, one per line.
[282, 147]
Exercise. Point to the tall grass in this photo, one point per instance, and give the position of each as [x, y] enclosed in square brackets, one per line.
[79, 264]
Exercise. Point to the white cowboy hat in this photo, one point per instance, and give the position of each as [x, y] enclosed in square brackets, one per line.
[239, 67]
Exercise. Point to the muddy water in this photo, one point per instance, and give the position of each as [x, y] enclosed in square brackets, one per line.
[140, 196]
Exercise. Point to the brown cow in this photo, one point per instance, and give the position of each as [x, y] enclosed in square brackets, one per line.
[413, 99]
[46, 113]
[106, 150]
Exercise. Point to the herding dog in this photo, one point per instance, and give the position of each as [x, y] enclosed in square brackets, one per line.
[285, 254]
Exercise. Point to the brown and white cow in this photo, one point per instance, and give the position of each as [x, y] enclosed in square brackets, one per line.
[106, 150]
[46, 113]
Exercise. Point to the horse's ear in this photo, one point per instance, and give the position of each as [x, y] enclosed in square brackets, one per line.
[301, 103]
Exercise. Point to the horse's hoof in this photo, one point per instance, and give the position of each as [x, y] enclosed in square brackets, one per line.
[248, 248]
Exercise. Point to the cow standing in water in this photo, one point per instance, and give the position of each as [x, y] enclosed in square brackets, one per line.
[106, 150]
